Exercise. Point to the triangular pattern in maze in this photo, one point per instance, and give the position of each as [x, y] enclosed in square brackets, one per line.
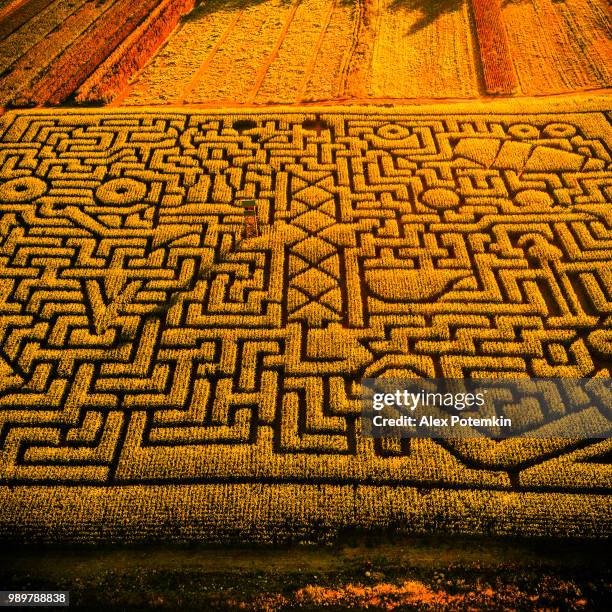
[313, 292]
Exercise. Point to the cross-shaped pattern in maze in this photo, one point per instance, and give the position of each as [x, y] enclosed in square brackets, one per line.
[143, 338]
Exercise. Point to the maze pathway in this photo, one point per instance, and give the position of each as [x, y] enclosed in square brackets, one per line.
[162, 373]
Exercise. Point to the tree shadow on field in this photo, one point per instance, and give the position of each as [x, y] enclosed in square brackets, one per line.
[508, 2]
[208, 7]
[430, 10]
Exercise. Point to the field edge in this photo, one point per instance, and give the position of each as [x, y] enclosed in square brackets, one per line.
[287, 513]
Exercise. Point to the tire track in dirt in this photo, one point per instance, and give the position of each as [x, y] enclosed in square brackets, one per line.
[261, 73]
[325, 81]
[233, 71]
[316, 51]
[286, 76]
[355, 70]
[204, 67]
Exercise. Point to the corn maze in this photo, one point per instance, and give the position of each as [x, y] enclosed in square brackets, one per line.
[209, 378]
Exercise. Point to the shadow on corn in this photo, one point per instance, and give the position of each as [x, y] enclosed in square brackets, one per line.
[430, 10]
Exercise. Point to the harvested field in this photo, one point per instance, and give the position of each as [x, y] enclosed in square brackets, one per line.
[422, 50]
[288, 51]
[263, 52]
[560, 47]
[112, 76]
[298, 51]
[280, 51]
[164, 375]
